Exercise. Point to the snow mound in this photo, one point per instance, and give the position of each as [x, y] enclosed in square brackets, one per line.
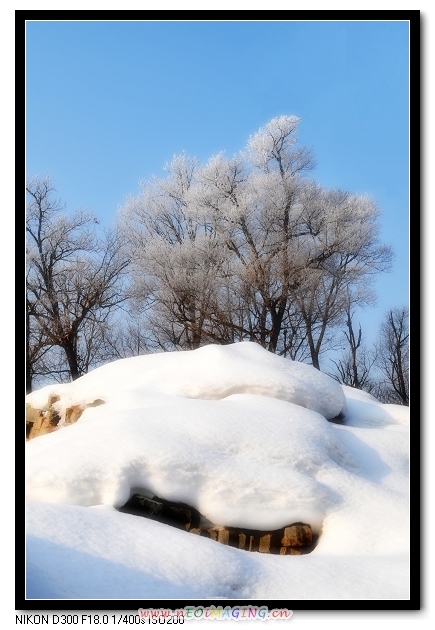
[362, 409]
[178, 426]
[210, 373]
[241, 435]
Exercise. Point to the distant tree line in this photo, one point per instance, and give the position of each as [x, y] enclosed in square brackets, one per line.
[241, 248]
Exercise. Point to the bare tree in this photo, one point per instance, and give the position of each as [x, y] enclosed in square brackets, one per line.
[355, 368]
[73, 276]
[393, 356]
[37, 347]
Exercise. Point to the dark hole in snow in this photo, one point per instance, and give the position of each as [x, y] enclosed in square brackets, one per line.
[337, 419]
[176, 514]
[294, 539]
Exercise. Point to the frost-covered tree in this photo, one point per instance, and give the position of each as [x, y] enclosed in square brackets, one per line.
[73, 276]
[209, 242]
[343, 256]
[249, 248]
[176, 259]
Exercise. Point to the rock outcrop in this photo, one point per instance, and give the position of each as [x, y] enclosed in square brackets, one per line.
[41, 421]
[45, 420]
[295, 539]
[178, 515]
[72, 414]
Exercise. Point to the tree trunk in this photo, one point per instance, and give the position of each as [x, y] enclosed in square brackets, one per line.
[28, 378]
[401, 387]
[277, 317]
[70, 348]
[28, 364]
[314, 350]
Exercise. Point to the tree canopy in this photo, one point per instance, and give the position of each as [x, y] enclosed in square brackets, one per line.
[249, 247]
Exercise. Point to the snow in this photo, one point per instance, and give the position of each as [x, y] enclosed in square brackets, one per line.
[240, 434]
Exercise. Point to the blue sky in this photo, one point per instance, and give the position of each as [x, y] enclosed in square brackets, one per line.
[108, 103]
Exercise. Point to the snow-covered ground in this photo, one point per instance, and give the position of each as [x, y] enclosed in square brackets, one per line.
[240, 434]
